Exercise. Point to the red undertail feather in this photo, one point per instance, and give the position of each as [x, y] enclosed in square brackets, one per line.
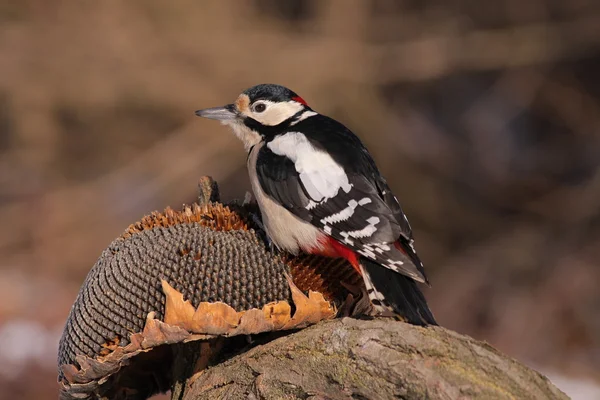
[388, 291]
[330, 247]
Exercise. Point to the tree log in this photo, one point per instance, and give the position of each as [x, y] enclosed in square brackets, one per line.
[370, 359]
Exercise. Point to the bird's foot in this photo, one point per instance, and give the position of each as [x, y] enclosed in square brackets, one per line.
[357, 303]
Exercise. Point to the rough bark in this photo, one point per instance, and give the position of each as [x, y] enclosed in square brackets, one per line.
[371, 359]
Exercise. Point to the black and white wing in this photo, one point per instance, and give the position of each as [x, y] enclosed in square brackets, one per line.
[352, 205]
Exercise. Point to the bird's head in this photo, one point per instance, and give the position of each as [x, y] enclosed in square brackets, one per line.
[261, 111]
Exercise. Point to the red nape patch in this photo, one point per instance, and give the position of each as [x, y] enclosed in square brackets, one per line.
[334, 249]
[300, 100]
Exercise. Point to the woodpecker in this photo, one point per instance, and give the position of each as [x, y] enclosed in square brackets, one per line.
[320, 192]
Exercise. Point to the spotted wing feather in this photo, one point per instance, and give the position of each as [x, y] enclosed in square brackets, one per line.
[358, 215]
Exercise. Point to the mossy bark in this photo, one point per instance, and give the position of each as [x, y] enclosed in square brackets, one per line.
[371, 359]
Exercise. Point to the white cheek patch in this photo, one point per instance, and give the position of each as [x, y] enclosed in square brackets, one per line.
[320, 175]
[276, 113]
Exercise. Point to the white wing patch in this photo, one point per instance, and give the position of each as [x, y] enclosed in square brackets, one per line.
[367, 231]
[392, 262]
[381, 247]
[342, 215]
[368, 254]
[311, 204]
[347, 239]
[320, 175]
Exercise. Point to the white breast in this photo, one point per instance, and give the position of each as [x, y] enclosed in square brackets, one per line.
[287, 231]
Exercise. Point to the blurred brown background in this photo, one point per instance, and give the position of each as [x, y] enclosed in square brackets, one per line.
[484, 117]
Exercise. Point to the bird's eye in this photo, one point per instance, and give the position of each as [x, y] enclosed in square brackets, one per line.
[260, 107]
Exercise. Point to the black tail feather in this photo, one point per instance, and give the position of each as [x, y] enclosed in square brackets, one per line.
[400, 293]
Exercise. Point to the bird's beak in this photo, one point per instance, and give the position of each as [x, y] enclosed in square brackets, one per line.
[225, 113]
